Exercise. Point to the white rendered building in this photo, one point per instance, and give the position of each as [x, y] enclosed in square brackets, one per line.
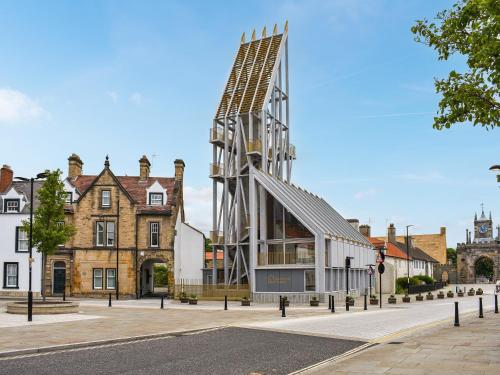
[14, 243]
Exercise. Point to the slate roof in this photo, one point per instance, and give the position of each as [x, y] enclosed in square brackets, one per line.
[24, 188]
[136, 189]
[310, 208]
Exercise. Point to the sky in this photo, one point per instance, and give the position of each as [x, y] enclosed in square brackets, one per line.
[128, 78]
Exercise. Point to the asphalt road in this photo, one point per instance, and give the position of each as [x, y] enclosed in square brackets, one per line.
[224, 351]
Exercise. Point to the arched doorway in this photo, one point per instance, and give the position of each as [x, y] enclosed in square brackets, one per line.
[59, 277]
[484, 270]
[444, 276]
[154, 278]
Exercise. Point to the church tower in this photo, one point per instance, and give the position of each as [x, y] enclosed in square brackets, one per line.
[483, 228]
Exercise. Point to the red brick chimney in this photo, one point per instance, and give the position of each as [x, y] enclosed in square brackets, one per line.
[6, 176]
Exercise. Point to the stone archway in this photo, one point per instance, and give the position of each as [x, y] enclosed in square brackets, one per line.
[146, 285]
[484, 269]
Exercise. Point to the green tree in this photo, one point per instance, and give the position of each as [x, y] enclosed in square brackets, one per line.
[471, 29]
[451, 255]
[484, 267]
[49, 229]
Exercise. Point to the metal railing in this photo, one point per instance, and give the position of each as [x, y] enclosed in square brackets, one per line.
[217, 135]
[426, 287]
[255, 145]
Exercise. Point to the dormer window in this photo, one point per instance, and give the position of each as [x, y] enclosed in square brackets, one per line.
[11, 205]
[156, 199]
[106, 198]
[69, 197]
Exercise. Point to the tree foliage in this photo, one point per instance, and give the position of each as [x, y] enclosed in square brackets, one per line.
[451, 255]
[472, 29]
[49, 230]
[484, 267]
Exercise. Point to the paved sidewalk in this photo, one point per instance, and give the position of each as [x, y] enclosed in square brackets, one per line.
[473, 348]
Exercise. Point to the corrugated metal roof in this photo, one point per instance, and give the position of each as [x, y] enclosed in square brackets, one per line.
[315, 210]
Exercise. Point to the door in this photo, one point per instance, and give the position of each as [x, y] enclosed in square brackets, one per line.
[59, 280]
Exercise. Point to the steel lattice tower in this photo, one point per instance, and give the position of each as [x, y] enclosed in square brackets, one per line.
[250, 128]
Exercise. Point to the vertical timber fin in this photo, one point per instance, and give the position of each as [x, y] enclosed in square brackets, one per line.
[253, 35]
[243, 38]
[264, 32]
[286, 26]
[275, 30]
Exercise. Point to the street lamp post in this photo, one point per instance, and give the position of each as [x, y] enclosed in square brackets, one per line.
[408, 257]
[30, 258]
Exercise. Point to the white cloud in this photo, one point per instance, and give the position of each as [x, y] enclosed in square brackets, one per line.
[113, 95]
[16, 107]
[360, 195]
[136, 98]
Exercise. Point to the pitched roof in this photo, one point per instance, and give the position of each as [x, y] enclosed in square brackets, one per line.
[418, 253]
[391, 249]
[310, 208]
[24, 188]
[136, 189]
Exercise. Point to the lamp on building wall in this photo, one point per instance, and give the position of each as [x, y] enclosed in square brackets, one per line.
[31, 180]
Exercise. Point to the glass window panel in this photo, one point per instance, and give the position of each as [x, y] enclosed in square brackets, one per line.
[310, 281]
[294, 228]
[110, 278]
[100, 233]
[106, 198]
[12, 205]
[275, 254]
[154, 230]
[274, 211]
[98, 278]
[110, 228]
[156, 199]
[22, 240]
[261, 258]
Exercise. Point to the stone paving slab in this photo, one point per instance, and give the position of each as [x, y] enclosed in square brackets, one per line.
[473, 348]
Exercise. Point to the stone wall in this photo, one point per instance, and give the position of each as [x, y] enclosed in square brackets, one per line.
[468, 254]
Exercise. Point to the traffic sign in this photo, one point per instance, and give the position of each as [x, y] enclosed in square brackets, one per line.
[381, 268]
[370, 270]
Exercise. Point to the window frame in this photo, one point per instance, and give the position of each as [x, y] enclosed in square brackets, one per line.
[6, 277]
[18, 231]
[107, 284]
[70, 195]
[94, 277]
[151, 223]
[108, 232]
[305, 280]
[10, 200]
[97, 244]
[102, 198]
[151, 194]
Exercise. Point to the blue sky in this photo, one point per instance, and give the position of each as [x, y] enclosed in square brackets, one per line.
[131, 78]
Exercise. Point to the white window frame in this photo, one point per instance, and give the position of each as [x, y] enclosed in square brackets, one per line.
[19, 240]
[158, 201]
[15, 275]
[106, 197]
[14, 201]
[94, 277]
[69, 197]
[108, 277]
[153, 224]
[110, 236]
[97, 231]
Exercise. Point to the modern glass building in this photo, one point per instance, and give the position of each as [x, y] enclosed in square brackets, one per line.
[276, 237]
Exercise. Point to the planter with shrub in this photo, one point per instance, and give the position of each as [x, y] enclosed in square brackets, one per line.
[406, 298]
[373, 300]
[440, 295]
[450, 294]
[391, 299]
[183, 297]
[471, 292]
[429, 296]
[479, 292]
[314, 301]
[419, 297]
[245, 301]
[193, 300]
[460, 293]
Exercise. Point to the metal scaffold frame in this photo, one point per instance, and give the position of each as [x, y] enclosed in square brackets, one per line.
[250, 128]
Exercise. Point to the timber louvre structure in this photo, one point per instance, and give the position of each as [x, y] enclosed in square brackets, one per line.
[252, 164]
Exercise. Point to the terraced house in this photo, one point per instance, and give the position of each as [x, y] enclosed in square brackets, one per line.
[124, 226]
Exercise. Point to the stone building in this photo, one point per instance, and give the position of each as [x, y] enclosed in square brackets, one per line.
[483, 248]
[124, 226]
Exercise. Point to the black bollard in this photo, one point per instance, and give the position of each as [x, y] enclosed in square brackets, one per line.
[64, 294]
[481, 307]
[333, 304]
[456, 289]
[283, 313]
[496, 303]
[161, 305]
[281, 303]
[347, 303]
[457, 323]
[109, 301]
[366, 307]
[329, 302]
[225, 302]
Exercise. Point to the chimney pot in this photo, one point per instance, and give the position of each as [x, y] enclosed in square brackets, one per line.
[144, 168]
[179, 169]
[391, 233]
[365, 230]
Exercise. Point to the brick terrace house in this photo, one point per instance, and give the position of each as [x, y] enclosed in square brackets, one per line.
[124, 225]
